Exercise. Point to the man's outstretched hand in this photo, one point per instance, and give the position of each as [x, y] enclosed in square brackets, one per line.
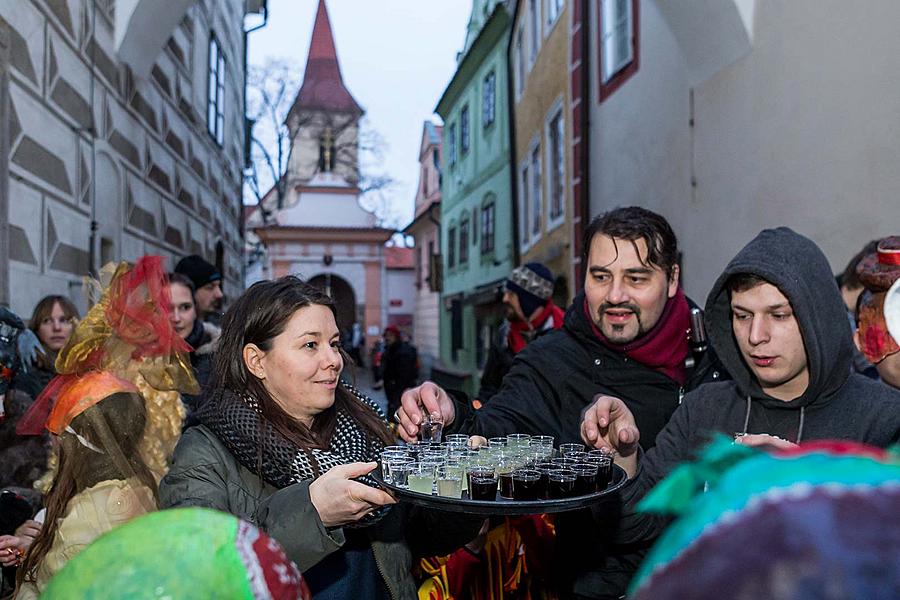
[609, 424]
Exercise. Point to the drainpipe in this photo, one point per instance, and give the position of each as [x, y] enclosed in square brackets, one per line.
[242, 224]
[585, 199]
[511, 102]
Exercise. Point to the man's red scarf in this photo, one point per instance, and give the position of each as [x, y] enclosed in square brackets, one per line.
[518, 330]
[665, 347]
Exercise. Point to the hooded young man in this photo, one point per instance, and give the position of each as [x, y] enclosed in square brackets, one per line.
[530, 312]
[624, 335]
[779, 326]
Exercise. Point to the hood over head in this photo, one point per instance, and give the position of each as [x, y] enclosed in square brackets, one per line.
[798, 268]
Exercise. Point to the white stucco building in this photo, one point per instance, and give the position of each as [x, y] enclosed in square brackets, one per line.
[729, 117]
[125, 124]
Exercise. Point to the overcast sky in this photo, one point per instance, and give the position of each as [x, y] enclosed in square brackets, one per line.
[396, 56]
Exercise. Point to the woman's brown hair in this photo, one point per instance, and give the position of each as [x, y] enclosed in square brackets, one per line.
[257, 317]
[118, 419]
[42, 311]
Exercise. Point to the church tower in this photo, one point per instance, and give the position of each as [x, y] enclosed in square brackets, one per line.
[324, 119]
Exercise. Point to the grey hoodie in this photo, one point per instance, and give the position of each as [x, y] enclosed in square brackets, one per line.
[838, 404]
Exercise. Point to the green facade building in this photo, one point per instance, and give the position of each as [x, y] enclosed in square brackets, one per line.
[477, 246]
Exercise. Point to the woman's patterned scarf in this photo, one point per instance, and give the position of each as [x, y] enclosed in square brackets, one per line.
[238, 423]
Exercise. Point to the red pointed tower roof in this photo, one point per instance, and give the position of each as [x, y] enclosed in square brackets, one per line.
[323, 87]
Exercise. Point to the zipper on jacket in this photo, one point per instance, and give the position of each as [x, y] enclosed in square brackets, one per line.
[387, 583]
[680, 395]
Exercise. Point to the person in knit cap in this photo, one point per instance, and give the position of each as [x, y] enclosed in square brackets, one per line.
[878, 272]
[530, 311]
[625, 335]
[207, 282]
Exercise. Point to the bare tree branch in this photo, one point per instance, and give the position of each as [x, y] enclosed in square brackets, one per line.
[358, 155]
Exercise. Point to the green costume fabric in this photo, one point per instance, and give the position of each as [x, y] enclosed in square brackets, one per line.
[181, 553]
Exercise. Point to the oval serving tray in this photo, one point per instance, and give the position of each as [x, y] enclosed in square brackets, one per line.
[502, 506]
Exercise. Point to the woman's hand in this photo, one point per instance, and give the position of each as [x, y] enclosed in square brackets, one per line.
[339, 500]
[11, 552]
[27, 532]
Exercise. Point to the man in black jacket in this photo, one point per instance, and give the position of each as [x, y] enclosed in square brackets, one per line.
[399, 366]
[779, 325]
[624, 336]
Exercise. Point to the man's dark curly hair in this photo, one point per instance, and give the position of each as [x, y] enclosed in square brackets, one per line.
[634, 223]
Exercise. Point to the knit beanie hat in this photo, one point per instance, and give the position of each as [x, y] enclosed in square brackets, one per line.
[533, 284]
[198, 270]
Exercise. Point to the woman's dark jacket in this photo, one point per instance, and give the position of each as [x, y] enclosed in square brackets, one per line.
[205, 473]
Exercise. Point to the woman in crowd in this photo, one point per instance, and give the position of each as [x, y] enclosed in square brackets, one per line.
[286, 444]
[53, 321]
[200, 335]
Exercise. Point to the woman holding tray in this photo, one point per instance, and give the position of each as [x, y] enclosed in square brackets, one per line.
[286, 444]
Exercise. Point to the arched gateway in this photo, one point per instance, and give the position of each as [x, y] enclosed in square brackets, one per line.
[342, 294]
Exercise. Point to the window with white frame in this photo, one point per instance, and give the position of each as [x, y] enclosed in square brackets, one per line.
[489, 92]
[520, 62]
[554, 8]
[536, 193]
[534, 25]
[616, 37]
[464, 130]
[525, 205]
[215, 105]
[556, 166]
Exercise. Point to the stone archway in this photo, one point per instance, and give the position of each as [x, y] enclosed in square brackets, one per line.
[342, 294]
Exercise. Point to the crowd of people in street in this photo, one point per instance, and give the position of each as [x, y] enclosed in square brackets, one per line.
[157, 399]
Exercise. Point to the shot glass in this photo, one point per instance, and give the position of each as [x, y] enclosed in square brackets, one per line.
[604, 469]
[449, 481]
[458, 440]
[505, 480]
[389, 465]
[497, 442]
[564, 462]
[482, 483]
[421, 478]
[518, 440]
[543, 484]
[565, 449]
[526, 484]
[585, 478]
[561, 483]
[431, 427]
[400, 474]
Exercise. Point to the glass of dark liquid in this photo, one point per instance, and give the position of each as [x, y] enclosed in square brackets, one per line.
[526, 484]
[544, 468]
[561, 484]
[604, 462]
[585, 478]
[566, 449]
[482, 483]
